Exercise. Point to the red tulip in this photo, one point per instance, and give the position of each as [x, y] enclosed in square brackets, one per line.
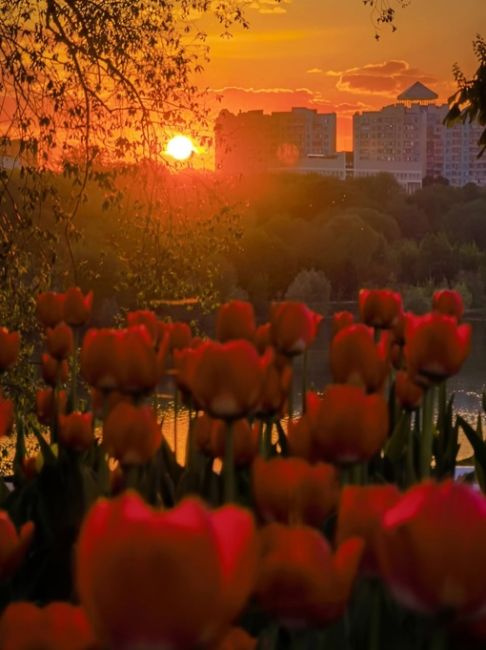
[300, 580]
[13, 545]
[356, 359]
[180, 336]
[48, 405]
[262, 338]
[9, 348]
[174, 578]
[380, 307]
[431, 549]
[76, 430]
[341, 320]
[448, 302]
[237, 639]
[227, 379]
[235, 320]
[49, 308]
[77, 308]
[99, 358]
[53, 371]
[293, 327]
[149, 320]
[361, 510]
[58, 626]
[131, 434]
[277, 382]
[289, 490]
[60, 341]
[408, 394]
[344, 426]
[211, 435]
[6, 416]
[102, 402]
[436, 347]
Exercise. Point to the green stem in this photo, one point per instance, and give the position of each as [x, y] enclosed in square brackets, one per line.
[427, 433]
[439, 639]
[374, 630]
[410, 454]
[74, 370]
[229, 482]
[266, 439]
[176, 413]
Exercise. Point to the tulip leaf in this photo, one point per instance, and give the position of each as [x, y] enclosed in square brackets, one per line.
[479, 448]
[396, 444]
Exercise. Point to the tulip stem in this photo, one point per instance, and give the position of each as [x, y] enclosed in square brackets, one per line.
[374, 636]
[176, 413]
[410, 453]
[439, 639]
[427, 433]
[74, 370]
[304, 380]
[266, 439]
[229, 482]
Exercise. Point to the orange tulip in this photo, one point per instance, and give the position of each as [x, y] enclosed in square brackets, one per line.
[227, 379]
[293, 327]
[361, 510]
[431, 549]
[190, 572]
[237, 639]
[9, 348]
[211, 435]
[344, 426]
[448, 302]
[49, 308]
[436, 347]
[53, 371]
[408, 394]
[289, 490]
[300, 580]
[341, 320]
[76, 430]
[6, 416]
[356, 359]
[380, 307]
[60, 341]
[13, 545]
[48, 406]
[58, 626]
[235, 320]
[77, 308]
[131, 434]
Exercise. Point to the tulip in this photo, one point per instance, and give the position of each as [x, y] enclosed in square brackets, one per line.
[13, 545]
[380, 308]
[227, 379]
[341, 320]
[131, 434]
[235, 320]
[361, 510]
[136, 361]
[189, 574]
[60, 341]
[289, 490]
[49, 308]
[77, 308]
[344, 426]
[237, 639]
[99, 358]
[149, 320]
[53, 371]
[102, 402]
[431, 549]
[436, 347]
[58, 626]
[262, 338]
[277, 383]
[6, 416]
[408, 394]
[76, 430]
[48, 406]
[300, 580]
[9, 348]
[179, 336]
[448, 302]
[356, 359]
[210, 436]
[293, 327]
[185, 362]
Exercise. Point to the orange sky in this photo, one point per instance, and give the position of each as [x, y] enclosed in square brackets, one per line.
[322, 54]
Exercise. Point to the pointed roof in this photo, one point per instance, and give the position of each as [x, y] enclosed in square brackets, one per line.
[416, 93]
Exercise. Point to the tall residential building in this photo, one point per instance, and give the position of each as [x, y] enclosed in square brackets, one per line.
[410, 141]
[256, 141]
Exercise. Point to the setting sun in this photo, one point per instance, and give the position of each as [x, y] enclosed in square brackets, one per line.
[180, 147]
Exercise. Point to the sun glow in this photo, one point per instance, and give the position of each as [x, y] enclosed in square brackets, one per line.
[180, 147]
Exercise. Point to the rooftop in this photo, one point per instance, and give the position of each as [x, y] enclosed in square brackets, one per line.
[417, 92]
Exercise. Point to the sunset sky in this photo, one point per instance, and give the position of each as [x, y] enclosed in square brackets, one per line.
[322, 54]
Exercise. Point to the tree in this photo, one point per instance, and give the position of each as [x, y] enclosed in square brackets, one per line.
[468, 103]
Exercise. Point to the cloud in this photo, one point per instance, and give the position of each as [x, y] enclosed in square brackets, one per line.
[314, 71]
[270, 6]
[388, 78]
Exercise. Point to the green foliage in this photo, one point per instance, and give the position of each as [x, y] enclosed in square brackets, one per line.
[310, 286]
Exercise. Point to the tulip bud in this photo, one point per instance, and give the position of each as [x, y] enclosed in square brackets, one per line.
[60, 341]
[9, 348]
[77, 307]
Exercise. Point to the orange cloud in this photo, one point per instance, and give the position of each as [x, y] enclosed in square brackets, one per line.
[270, 6]
[388, 78]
